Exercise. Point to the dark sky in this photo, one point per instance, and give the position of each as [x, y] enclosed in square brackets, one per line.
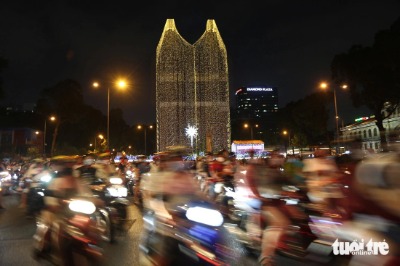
[285, 44]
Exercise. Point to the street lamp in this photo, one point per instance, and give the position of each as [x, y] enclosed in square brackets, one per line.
[51, 118]
[145, 136]
[251, 128]
[100, 136]
[121, 84]
[324, 86]
[287, 132]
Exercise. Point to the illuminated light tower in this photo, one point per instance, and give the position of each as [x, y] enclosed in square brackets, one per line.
[192, 88]
[191, 132]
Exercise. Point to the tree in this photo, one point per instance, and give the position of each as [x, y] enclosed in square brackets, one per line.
[65, 101]
[119, 130]
[373, 75]
[306, 119]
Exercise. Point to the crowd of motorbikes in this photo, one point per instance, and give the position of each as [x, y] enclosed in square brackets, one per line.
[194, 232]
[216, 225]
[85, 222]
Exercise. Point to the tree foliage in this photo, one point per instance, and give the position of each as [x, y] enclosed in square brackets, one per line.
[373, 73]
[307, 119]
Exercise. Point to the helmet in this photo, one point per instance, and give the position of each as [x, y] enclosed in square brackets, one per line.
[89, 159]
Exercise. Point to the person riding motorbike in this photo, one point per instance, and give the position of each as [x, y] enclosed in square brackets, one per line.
[87, 172]
[163, 190]
[171, 181]
[264, 180]
[61, 187]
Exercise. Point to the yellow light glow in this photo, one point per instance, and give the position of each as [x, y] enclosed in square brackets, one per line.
[139, 127]
[96, 84]
[101, 136]
[344, 86]
[285, 132]
[246, 125]
[121, 84]
[52, 118]
[323, 85]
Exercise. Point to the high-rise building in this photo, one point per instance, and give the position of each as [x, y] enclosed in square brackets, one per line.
[192, 90]
[256, 102]
[256, 111]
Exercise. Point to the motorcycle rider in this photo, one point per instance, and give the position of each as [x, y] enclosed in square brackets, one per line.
[88, 172]
[34, 169]
[264, 180]
[170, 185]
[62, 186]
[142, 167]
[171, 182]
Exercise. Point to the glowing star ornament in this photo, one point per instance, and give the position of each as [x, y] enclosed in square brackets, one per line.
[191, 132]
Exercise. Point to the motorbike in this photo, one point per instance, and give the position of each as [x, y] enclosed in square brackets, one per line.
[78, 232]
[188, 232]
[115, 212]
[35, 197]
[130, 180]
[5, 181]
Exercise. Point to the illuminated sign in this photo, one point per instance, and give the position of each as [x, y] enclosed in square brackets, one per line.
[259, 89]
[239, 90]
[364, 118]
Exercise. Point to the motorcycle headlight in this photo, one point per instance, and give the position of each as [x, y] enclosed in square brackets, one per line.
[115, 180]
[205, 216]
[82, 206]
[5, 175]
[45, 178]
[129, 172]
[118, 191]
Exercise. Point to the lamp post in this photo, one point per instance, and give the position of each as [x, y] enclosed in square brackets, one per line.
[100, 136]
[286, 132]
[145, 136]
[324, 85]
[51, 118]
[251, 128]
[121, 84]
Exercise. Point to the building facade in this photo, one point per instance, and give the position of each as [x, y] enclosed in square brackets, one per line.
[20, 140]
[256, 102]
[365, 130]
[256, 111]
[192, 90]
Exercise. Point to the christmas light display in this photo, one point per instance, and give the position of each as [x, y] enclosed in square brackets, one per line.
[192, 88]
[191, 132]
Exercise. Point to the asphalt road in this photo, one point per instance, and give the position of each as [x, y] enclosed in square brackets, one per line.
[16, 233]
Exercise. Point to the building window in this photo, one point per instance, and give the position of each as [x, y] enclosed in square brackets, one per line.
[365, 146]
[369, 133]
[375, 132]
[370, 145]
[376, 145]
[364, 134]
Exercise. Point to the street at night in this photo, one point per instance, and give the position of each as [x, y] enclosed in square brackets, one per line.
[178, 133]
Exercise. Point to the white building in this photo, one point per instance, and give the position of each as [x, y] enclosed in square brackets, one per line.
[365, 130]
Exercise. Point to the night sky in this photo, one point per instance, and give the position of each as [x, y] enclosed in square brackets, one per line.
[284, 44]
